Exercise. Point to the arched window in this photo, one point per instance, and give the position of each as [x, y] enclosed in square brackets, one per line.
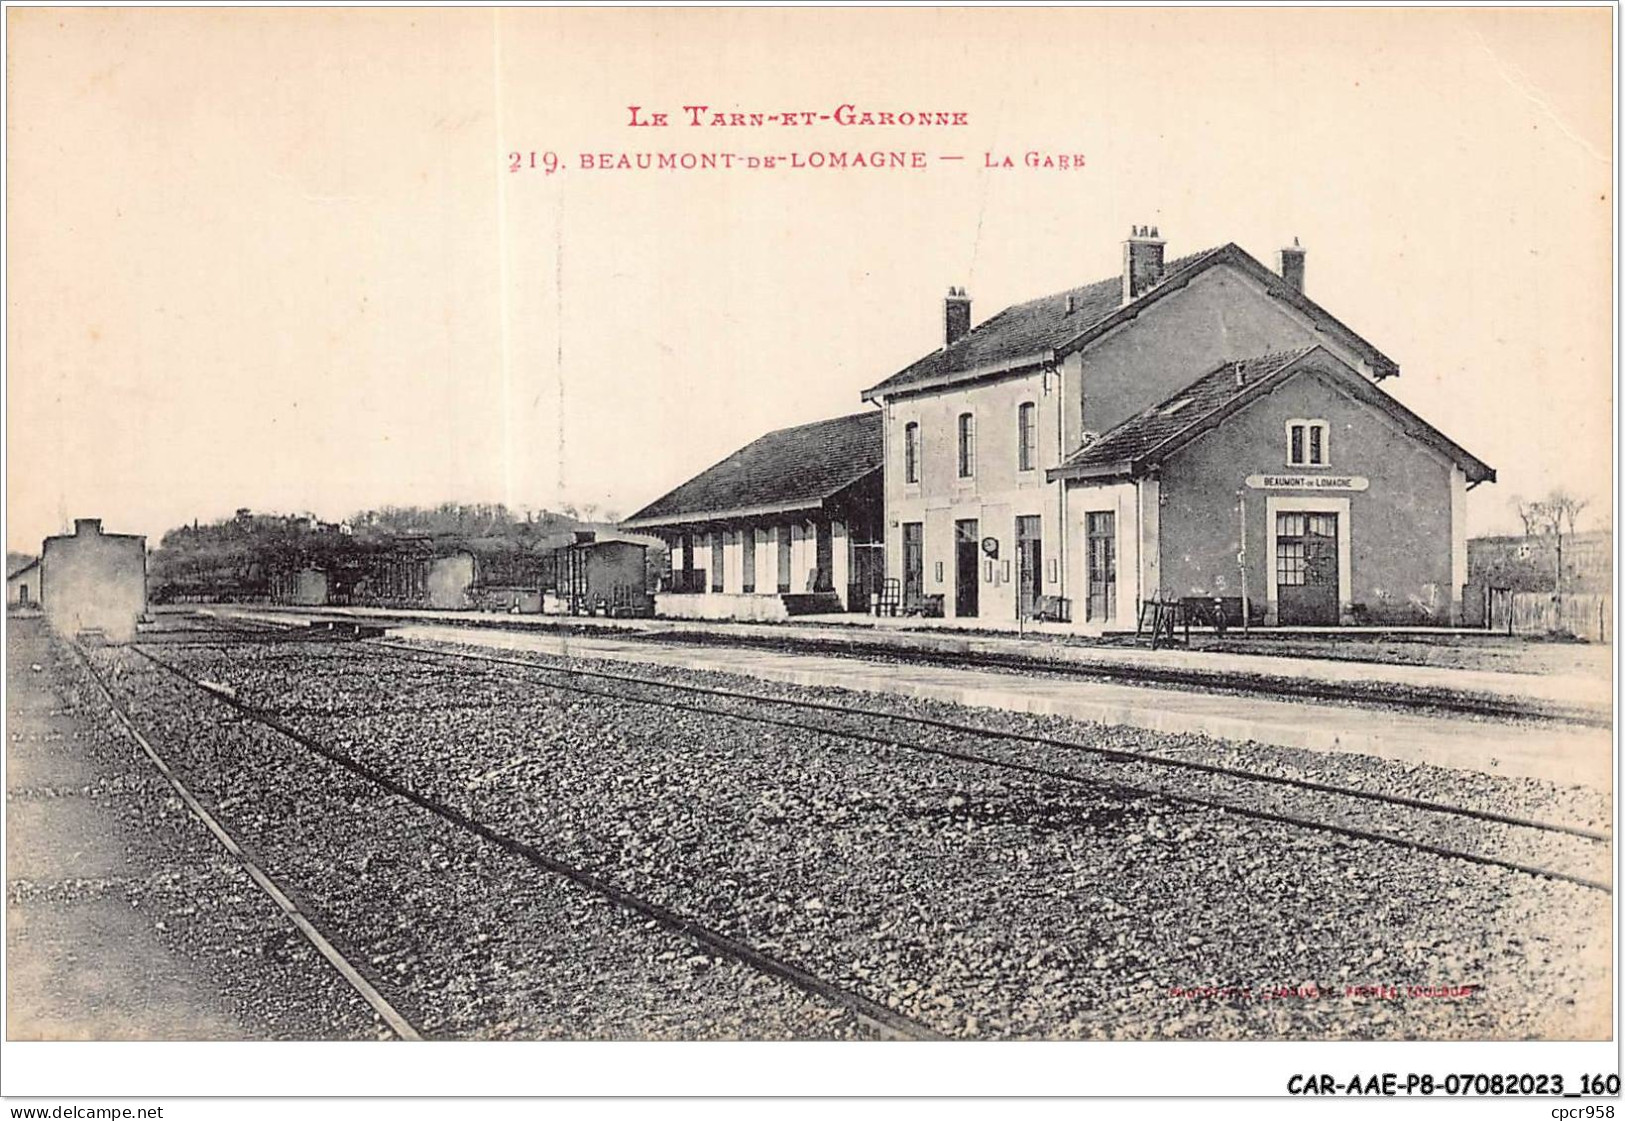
[1026, 436]
[911, 452]
[967, 445]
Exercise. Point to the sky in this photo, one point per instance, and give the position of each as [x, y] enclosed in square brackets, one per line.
[276, 258]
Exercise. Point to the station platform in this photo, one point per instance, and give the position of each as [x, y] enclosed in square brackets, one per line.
[84, 964]
[1560, 753]
[1585, 694]
[125, 919]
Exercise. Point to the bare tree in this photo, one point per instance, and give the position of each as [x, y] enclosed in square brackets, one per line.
[1557, 514]
[1530, 514]
[1569, 506]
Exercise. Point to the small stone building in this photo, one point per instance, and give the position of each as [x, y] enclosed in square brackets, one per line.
[94, 581]
[1546, 581]
[22, 586]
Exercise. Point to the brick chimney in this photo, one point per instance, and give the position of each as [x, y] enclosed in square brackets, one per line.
[1292, 265]
[955, 316]
[87, 527]
[1142, 261]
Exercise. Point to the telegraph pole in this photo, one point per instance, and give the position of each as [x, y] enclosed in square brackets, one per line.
[1241, 561]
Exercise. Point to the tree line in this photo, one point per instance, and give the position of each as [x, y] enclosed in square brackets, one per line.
[238, 555]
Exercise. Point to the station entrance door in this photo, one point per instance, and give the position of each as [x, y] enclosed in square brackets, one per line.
[1029, 564]
[967, 584]
[1306, 569]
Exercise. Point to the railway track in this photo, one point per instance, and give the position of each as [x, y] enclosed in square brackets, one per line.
[325, 691]
[878, 1017]
[398, 1023]
[1392, 697]
[1590, 849]
[1428, 813]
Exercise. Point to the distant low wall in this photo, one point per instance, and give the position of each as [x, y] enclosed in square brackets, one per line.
[718, 605]
[1585, 615]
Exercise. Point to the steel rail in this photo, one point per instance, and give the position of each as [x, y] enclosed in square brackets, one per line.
[885, 1020]
[1122, 789]
[398, 1023]
[1413, 698]
[1116, 755]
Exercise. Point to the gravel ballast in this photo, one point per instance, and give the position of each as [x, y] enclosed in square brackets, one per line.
[1079, 751]
[984, 903]
[182, 944]
[466, 940]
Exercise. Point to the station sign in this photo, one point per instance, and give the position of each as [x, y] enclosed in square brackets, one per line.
[1308, 482]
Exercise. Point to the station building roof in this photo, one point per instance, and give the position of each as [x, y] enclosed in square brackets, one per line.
[1053, 326]
[1144, 440]
[789, 470]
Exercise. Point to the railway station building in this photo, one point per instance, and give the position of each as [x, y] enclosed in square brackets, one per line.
[1195, 431]
[1287, 483]
[790, 524]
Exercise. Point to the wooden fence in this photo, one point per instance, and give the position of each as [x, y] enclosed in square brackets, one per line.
[1587, 615]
